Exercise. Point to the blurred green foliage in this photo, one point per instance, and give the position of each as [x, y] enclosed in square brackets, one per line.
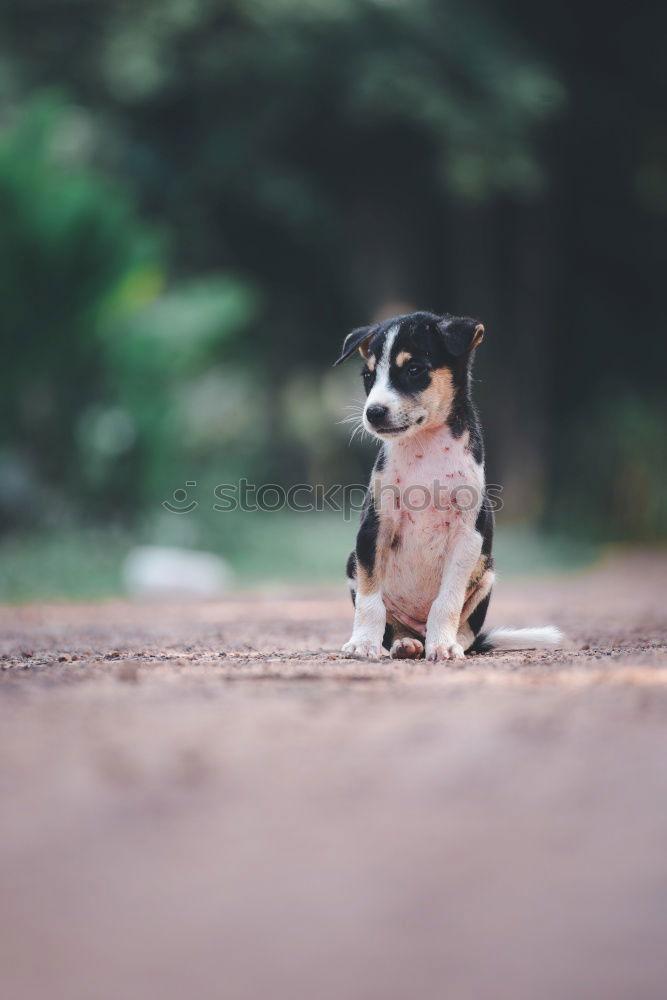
[200, 197]
[101, 352]
[66, 242]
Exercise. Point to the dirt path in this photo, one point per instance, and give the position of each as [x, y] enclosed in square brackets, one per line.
[207, 801]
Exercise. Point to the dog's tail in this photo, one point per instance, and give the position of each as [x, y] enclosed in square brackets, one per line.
[517, 638]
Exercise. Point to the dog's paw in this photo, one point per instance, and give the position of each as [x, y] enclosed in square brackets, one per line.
[361, 650]
[407, 649]
[444, 651]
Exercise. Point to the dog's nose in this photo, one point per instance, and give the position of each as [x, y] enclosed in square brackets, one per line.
[377, 415]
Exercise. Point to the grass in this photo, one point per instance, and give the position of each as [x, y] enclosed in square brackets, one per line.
[86, 564]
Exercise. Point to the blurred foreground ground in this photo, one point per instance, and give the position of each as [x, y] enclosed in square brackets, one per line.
[206, 801]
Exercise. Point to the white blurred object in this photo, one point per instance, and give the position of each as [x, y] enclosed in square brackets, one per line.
[152, 571]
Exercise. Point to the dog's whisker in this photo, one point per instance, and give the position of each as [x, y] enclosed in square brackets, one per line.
[358, 427]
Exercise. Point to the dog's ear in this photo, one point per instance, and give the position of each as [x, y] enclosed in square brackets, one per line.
[357, 339]
[461, 334]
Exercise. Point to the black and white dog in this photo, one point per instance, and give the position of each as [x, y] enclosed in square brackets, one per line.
[422, 572]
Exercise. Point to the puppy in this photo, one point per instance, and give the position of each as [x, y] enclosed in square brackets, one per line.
[422, 571]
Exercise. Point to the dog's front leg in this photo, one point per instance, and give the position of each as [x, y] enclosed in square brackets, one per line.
[445, 615]
[370, 615]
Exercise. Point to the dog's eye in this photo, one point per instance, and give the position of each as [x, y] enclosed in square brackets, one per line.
[414, 370]
[367, 377]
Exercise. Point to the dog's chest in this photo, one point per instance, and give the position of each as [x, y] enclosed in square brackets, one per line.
[432, 489]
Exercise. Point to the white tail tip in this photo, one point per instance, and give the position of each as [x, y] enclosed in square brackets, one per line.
[524, 638]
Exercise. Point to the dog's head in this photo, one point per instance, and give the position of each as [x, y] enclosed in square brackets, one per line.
[414, 367]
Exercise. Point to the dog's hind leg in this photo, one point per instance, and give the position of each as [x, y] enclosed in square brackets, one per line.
[402, 643]
[408, 647]
[474, 610]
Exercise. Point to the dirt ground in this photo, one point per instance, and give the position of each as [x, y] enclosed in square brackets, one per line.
[206, 801]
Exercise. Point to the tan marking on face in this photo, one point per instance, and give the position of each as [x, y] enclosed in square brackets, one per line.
[371, 362]
[363, 347]
[439, 395]
[402, 357]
